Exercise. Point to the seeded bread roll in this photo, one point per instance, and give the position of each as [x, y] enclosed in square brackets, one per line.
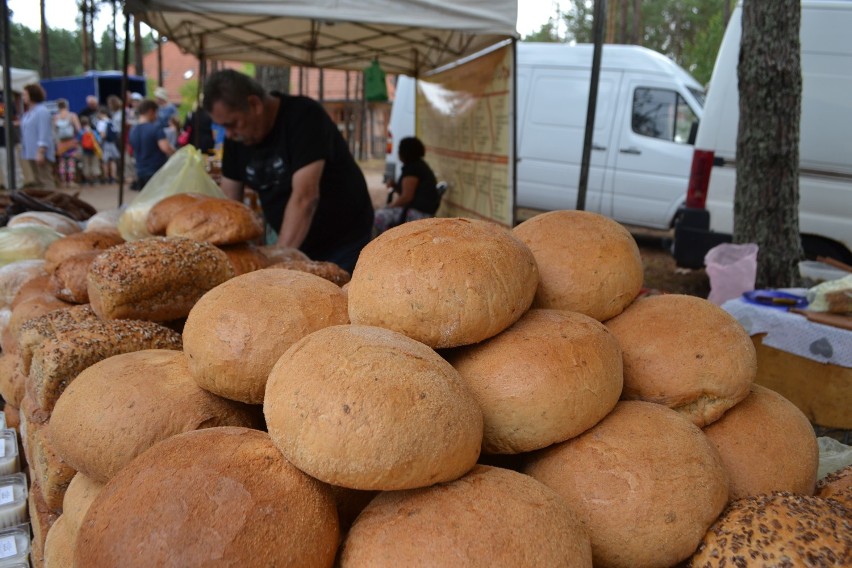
[838, 486]
[368, 408]
[245, 258]
[588, 263]
[32, 307]
[72, 245]
[685, 353]
[784, 457]
[156, 279]
[69, 278]
[216, 221]
[443, 282]
[164, 210]
[215, 498]
[645, 481]
[237, 331]
[781, 529]
[119, 407]
[489, 517]
[549, 377]
[326, 270]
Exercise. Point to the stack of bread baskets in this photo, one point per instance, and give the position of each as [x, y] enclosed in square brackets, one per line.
[474, 396]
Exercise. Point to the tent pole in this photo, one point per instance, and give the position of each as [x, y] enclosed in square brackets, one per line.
[122, 141]
[202, 78]
[9, 102]
[599, 17]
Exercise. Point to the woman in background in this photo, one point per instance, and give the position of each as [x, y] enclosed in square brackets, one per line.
[415, 195]
[38, 148]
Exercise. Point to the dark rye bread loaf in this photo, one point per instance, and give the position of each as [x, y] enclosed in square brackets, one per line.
[156, 279]
[214, 498]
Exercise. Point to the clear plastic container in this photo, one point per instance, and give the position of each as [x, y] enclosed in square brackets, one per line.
[820, 271]
[13, 500]
[15, 547]
[2, 420]
[10, 461]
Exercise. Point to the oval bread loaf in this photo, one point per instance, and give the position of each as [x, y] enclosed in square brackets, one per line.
[216, 221]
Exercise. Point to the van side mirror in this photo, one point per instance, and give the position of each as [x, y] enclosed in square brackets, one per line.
[693, 132]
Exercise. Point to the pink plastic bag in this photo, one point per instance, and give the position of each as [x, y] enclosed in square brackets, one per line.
[732, 270]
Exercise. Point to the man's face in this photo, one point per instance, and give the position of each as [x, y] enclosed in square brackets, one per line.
[92, 102]
[245, 126]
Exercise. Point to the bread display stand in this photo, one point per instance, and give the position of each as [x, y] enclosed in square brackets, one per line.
[808, 363]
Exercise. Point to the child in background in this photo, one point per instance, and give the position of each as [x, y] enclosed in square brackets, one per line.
[90, 150]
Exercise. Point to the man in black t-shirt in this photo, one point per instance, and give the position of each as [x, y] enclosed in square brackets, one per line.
[289, 150]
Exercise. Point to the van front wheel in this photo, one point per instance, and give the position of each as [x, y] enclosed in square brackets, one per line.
[820, 246]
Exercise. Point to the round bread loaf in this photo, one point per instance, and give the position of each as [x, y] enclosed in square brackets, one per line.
[162, 212]
[443, 282]
[77, 243]
[245, 258]
[276, 253]
[119, 407]
[327, 270]
[838, 486]
[489, 517]
[588, 263]
[59, 545]
[105, 221]
[31, 307]
[220, 497]
[60, 223]
[685, 353]
[216, 221]
[645, 481]
[81, 493]
[549, 377]
[15, 275]
[37, 286]
[368, 408]
[777, 530]
[783, 457]
[238, 330]
[13, 384]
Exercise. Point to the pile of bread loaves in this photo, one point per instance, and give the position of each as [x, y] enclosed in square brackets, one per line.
[474, 396]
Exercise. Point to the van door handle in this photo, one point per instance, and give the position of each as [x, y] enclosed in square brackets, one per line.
[598, 147]
[631, 150]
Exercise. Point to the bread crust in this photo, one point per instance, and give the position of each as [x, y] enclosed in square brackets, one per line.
[164, 210]
[216, 221]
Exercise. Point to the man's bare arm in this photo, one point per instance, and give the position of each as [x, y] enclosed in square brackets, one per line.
[300, 209]
[232, 189]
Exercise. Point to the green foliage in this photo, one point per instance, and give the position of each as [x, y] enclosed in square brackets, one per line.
[548, 32]
[188, 96]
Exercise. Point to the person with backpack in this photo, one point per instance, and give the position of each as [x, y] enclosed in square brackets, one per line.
[150, 146]
[109, 135]
[90, 150]
[66, 126]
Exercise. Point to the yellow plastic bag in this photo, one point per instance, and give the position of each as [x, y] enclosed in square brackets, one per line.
[184, 172]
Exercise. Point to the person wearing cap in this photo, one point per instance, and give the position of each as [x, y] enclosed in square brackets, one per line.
[167, 109]
[289, 150]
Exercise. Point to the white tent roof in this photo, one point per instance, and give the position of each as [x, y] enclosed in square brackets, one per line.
[407, 36]
[20, 77]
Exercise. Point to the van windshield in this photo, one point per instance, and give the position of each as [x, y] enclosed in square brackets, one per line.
[699, 95]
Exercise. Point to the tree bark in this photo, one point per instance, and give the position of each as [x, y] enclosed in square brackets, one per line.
[138, 54]
[43, 45]
[766, 203]
[84, 36]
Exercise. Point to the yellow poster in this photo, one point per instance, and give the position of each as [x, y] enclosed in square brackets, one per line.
[465, 119]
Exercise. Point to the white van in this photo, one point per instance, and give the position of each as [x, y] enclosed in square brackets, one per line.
[641, 155]
[825, 144]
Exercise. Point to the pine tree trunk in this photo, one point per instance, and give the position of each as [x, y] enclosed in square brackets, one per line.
[84, 36]
[766, 204]
[138, 54]
[43, 45]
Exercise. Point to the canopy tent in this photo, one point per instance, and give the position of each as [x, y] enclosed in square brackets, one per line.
[21, 77]
[406, 36]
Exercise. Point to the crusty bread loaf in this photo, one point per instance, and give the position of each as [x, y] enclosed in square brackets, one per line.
[56, 355]
[162, 212]
[685, 353]
[443, 282]
[33, 307]
[784, 457]
[276, 253]
[368, 408]
[245, 258]
[105, 222]
[217, 497]
[216, 221]
[69, 278]
[47, 468]
[13, 415]
[156, 279]
[36, 330]
[56, 221]
[549, 377]
[238, 330]
[14, 275]
[326, 270]
[645, 481]
[59, 545]
[37, 286]
[588, 263]
[81, 493]
[489, 517]
[777, 530]
[12, 381]
[838, 486]
[72, 245]
[117, 408]
[41, 519]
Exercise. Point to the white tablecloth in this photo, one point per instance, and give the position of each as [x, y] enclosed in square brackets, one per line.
[793, 333]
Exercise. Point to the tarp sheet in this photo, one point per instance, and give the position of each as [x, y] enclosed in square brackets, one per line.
[20, 77]
[406, 36]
